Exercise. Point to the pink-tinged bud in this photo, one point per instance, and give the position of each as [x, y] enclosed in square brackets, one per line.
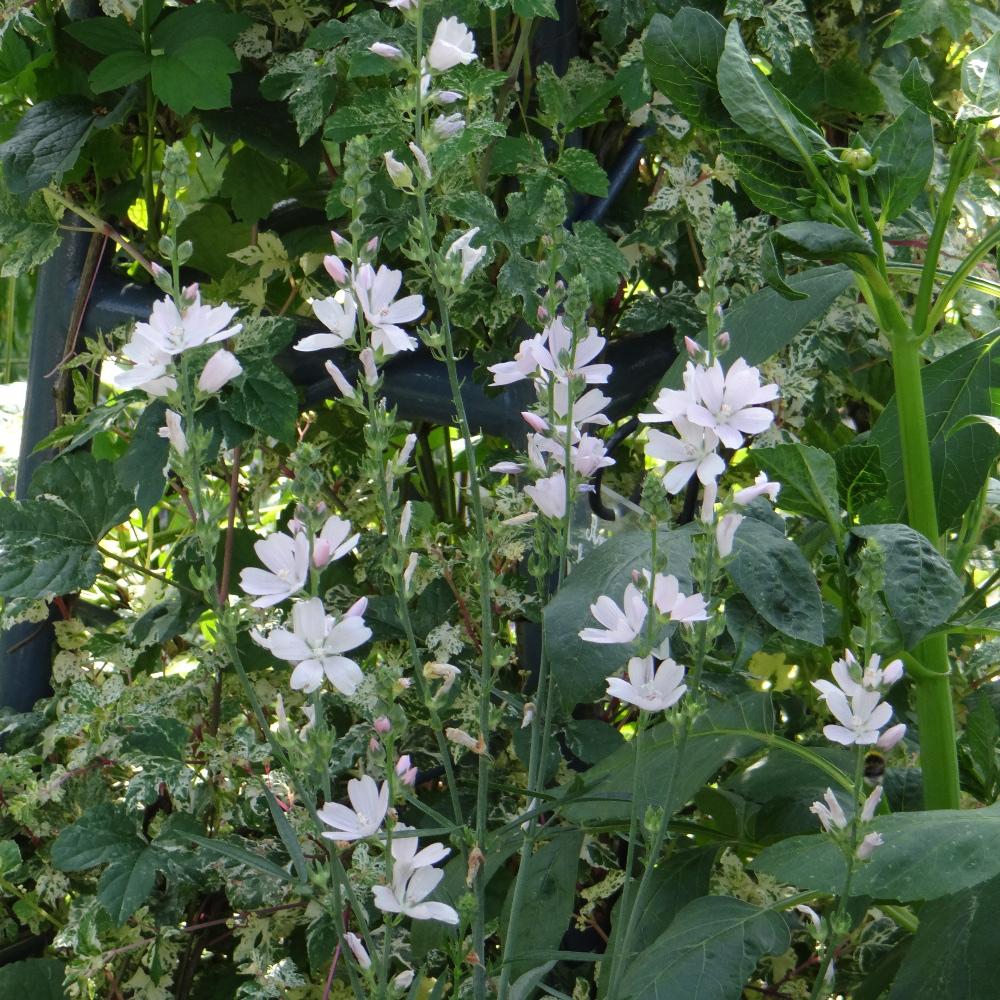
[386, 51]
[321, 507]
[692, 346]
[157, 270]
[191, 293]
[338, 241]
[357, 609]
[335, 268]
[892, 673]
[399, 173]
[507, 468]
[321, 553]
[718, 309]
[724, 341]
[295, 525]
[373, 745]
[542, 313]
[344, 387]
[382, 725]
[463, 739]
[221, 367]
[447, 96]
[371, 247]
[406, 770]
[368, 364]
[867, 846]
[357, 949]
[871, 804]
[891, 737]
[534, 421]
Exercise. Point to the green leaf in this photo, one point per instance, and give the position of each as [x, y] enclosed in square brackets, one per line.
[200, 20]
[983, 735]
[581, 169]
[926, 855]
[371, 114]
[546, 912]
[956, 386]
[45, 144]
[921, 589]
[764, 113]
[915, 88]
[682, 56]
[523, 988]
[923, 17]
[140, 469]
[904, 155]
[195, 74]
[234, 852]
[252, 183]
[48, 542]
[100, 835]
[808, 478]
[708, 953]
[119, 70]
[29, 235]
[862, 482]
[774, 185]
[106, 35]
[535, 8]
[981, 81]
[601, 797]
[264, 399]
[37, 978]
[307, 80]
[591, 252]
[829, 91]
[969, 966]
[127, 882]
[10, 856]
[811, 240]
[776, 579]
[579, 668]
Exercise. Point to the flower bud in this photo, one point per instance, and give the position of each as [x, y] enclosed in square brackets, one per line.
[335, 268]
[368, 364]
[345, 387]
[892, 673]
[507, 468]
[221, 368]
[723, 340]
[421, 158]
[404, 520]
[338, 241]
[399, 173]
[321, 553]
[386, 51]
[867, 846]
[856, 159]
[891, 736]
[357, 949]
[534, 421]
[382, 725]
[447, 96]
[173, 431]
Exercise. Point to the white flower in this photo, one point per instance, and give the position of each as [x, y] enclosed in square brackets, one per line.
[357, 949]
[860, 719]
[337, 313]
[670, 403]
[871, 804]
[464, 739]
[669, 600]
[376, 292]
[653, 692]
[620, 624]
[221, 367]
[831, 814]
[173, 431]
[891, 737]
[761, 487]
[507, 468]
[287, 559]
[453, 44]
[413, 880]
[549, 495]
[471, 256]
[446, 672]
[386, 51]
[333, 541]
[867, 846]
[693, 451]
[175, 331]
[345, 387]
[399, 173]
[446, 97]
[725, 532]
[370, 805]
[586, 409]
[404, 980]
[149, 371]
[315, 645]
[559, 356]
[729, 401]
[445, 126]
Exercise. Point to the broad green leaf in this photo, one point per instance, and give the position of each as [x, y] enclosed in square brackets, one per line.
[579, 668]
[195, 74]
[371, 114]
[119, 70]
[982, 733]
[914, 87]
[904, 154]
[958, 385]
[200, 20]
[921, 589]
[252, 183]
[128, 881]
[546, 913]
[48, 543]
[825, 91]
[926, 855]
[524, 987]
[28, 233]
[596, 256]
[862, 481]
[774, 185]
[808, 478]
[307, 80]
[764, 113]
[923, 17]
[708, 953]
[264, 399]
[10, 856]
[981, 81]
[682, 56]
[140, 469]
[811, 240]
[106, 35]
[234, 852]
[100, 835]
[37, 978]
[969, 966]
[535, 8]
[45, 144]
[601, 796]
[776, 579]
[584, 173]
[671, 886]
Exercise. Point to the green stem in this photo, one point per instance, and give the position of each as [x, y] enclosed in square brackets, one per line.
[152, 223]
[962, 272]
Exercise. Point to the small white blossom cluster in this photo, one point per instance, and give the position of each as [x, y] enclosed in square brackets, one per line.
[561, 365]
[651, 687]
[856, 702]
[832, 818]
